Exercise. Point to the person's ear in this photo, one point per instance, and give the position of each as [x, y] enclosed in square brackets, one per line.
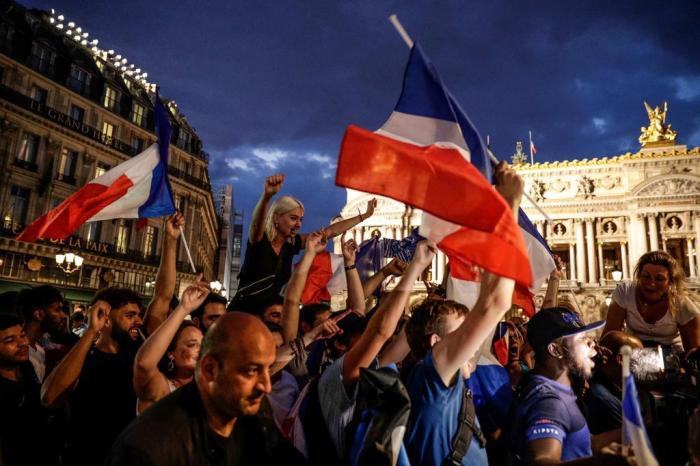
[38, 314]
[555, 350]
[433, 339]
[209, 368]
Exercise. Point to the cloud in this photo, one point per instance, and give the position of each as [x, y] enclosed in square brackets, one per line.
[270, 157]
[687, 88]
[600, 124]
[239, 164]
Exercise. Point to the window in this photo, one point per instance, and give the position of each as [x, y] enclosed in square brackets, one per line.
[79, 79]
[101, 169]
[136, 145]
[137, 114]
[94, 231]
[55, 201]
[183, 139]
[107, 132]
[42, 59]
[16, 214]
[39, 94]
[77, 113]
[123, 236]
[150, 241]
[111, 96]
[28, 148]
[66, 167]
[7, 33]
[179, 202]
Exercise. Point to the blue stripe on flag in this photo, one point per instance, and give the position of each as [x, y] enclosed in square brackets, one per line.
[160, 198]
[526, 224]
[630, 406]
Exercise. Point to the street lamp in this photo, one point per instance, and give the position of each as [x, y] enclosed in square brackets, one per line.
[69, 262]
[616, 275]
[217, 287]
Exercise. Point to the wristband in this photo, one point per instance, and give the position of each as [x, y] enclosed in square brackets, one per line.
[349, 267]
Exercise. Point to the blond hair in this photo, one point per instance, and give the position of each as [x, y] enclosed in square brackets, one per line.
[677, 290]
[281, 206]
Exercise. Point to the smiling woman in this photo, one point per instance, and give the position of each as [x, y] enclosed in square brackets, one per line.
[273, 240]
[656, 307]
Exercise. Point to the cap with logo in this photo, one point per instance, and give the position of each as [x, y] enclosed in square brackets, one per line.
[556, 322]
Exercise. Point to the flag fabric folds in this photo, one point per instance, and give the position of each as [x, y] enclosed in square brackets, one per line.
[326, 277]
[633, 426]
[372, 252]
[136, 188]
[444, 169]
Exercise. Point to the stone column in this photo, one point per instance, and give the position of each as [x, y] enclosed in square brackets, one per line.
[696, 228]
[691, 257]
[572, 262]
[440, 273]
[653, 233]
[590, 252]
[601, 269]
[625, 264]
[637, 237]
[580, 252]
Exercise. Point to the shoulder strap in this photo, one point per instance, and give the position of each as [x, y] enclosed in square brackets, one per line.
[466, 429]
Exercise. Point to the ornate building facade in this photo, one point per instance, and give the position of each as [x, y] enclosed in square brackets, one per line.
[602, 213]
[69, 111]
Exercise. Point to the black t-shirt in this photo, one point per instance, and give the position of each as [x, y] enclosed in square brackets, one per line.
[604, 405]
[264, 266]
[174, 432]
[102, 405]
[24, 422]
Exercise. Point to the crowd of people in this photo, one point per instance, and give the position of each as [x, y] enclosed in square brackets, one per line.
[265, 380]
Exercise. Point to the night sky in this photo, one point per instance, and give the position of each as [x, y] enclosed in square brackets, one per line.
[271, 85]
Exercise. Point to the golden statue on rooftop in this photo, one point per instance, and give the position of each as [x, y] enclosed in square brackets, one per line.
[658, 133]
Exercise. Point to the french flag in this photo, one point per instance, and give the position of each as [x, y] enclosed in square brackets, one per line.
[326, 277]
[635, 433]
[137, 188]
[430, 156]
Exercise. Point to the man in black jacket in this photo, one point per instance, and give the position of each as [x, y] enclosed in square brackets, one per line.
[212, 421]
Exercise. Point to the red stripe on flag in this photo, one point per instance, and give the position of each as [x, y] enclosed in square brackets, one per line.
[523, 298]
[437, 180]
[67, 217]
[320, 273]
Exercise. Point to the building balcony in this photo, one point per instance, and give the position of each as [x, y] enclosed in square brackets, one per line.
[26, 165]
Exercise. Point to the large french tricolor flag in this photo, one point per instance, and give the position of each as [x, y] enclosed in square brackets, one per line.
[137, 188]
[326, 277]
[635, 433]
[428, 155]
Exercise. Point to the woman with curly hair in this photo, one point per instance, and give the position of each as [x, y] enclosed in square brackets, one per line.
[656, 306]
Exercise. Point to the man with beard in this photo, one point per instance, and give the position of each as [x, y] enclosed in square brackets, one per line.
[95, 378]
[42, 309]
[23, 422]
[549, 427]
[211, 309]
[213, 420]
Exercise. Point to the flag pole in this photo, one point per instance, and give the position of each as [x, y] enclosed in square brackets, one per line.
[409, 42]
[187, 249]
[532, 157]
[626, 352]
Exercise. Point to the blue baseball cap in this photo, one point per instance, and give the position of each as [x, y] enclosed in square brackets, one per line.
[556, 322]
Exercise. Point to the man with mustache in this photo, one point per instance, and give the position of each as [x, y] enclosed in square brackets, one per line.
[213, 420]
[549, 427]
[23, 422]
[96, 376]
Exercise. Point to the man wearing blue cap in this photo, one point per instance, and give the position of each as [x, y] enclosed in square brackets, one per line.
[549, 427]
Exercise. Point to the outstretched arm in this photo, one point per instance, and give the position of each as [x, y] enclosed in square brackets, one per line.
[257, 224]
[356, 298]
[495, 296]
[395, 267]
[383, 323]
[64, 377]
[150, 383]
[551, 297]
[315, 243]
[159, 306]
[344, 225]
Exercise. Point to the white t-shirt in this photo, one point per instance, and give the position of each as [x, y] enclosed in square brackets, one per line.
[37, 356]
[665, 330]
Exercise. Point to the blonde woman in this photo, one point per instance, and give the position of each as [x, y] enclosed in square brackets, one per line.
[274, 239]
[656, 306]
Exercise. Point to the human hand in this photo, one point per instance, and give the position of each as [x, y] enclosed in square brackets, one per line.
[509, 185]
[349, 250]
[396, 267]
[273, 184]
[173, 225]
[98, 316]
[434, 290]
[329, 327]
[316, 242]
[371, 205]
[614, 455]
[194, 295]
[425, 251]
[556, 273]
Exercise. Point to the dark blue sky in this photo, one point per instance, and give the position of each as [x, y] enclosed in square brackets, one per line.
[271, 85]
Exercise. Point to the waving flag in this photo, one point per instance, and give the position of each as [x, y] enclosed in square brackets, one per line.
[137, 188]
[445, 171]
[633, 426]
[326, 277]
[373, 251]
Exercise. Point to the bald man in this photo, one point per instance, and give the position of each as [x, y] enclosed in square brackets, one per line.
[604, 397]
[212, 420]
